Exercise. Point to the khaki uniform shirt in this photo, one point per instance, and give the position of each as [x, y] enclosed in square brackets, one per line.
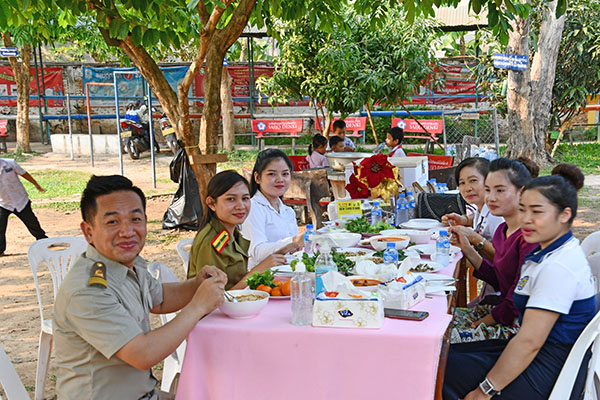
[92, 323]
[233, 258]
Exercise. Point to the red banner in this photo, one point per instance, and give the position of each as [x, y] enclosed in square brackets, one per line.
[354, 124]
[433, 126]
[435, 161]
[240, 86]
[52, 83]
[3, 123]
[260, 126]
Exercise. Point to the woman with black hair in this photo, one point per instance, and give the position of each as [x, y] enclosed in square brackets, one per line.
[218, 241]
[271, 225]
[554, 296]
[481, 226]
[495, 316]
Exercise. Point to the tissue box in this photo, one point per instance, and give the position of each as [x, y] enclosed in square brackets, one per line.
[340, 310]
[404, 292]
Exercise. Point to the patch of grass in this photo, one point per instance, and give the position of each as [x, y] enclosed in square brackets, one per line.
[60, 205]
[162, 239]
[19, 156]
[585, 155]
[58, 183]
[589, 197]
[29, 388]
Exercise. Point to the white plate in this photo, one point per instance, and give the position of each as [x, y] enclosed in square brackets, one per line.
[438, 290]
[429, 249]
[422, 223]
[284, 269]
[355, 250]
[436, 266]
[433, 278]
[279, 297]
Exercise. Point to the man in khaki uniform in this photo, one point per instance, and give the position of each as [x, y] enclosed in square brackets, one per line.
[104, 347]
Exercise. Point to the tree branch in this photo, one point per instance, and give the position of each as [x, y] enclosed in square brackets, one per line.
[203, 12]
[237, 23]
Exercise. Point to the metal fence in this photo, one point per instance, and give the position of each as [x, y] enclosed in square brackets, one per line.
[481, 124]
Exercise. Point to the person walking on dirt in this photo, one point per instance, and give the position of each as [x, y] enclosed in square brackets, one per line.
[14, 200]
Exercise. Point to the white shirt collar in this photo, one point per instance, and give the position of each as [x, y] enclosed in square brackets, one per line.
[261, 199]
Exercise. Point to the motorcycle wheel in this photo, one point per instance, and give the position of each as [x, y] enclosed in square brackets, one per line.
[133, 151]
[172, 146]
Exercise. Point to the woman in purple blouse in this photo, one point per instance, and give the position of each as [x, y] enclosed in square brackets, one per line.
[496, 316]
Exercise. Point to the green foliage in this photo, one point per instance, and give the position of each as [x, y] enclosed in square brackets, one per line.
[348, 68]
[577, 67]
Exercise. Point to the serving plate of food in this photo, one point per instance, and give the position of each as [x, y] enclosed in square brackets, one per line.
[429, 250]
[422, 224]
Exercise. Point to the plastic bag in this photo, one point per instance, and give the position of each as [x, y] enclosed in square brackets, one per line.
[185, 210]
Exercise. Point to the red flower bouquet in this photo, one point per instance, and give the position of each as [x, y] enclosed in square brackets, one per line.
[374, 177]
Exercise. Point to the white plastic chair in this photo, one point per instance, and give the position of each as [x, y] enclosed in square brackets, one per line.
[58, 254]
[173, 363]
[564, 384]
[10, 379]
[591, 244]
[594, 262]
[183, 249]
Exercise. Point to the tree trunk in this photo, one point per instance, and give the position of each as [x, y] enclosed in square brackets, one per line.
[530, 92]
[227, 111]
[22, 78]
[518, 92]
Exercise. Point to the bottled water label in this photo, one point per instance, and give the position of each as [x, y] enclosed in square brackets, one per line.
[389, 258]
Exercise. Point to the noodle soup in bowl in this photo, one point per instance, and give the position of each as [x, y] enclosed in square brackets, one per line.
[249, 304]
[380, 242]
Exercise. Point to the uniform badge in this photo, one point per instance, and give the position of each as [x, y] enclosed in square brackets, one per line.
[523, 282]
[98, 276]
[220, 241]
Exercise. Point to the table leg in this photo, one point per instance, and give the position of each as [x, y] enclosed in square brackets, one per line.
[472, 284]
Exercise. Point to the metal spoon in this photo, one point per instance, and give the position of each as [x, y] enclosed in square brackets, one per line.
[231, 298]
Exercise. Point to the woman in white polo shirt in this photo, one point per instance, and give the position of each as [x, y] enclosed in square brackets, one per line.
[555, 298]
[271, 225]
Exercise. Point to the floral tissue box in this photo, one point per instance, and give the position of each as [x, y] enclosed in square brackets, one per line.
[340, 310]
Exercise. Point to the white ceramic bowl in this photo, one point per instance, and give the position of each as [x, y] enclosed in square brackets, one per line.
[380, 242]
[338, 161]
[417, 237]
[343, 239]
[244, 309]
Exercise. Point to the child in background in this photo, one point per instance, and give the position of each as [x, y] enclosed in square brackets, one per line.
[393, 140]
[339, 129]
[336, 144]
[316, 152]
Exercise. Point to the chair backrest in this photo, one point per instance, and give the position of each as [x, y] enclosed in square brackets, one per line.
[10, 379]
[564, 384]
[58, 254]
[594, 262]
[184, 246]
[591, 244]
[163, 274]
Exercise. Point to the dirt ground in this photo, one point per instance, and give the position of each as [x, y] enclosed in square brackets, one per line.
[19, 312]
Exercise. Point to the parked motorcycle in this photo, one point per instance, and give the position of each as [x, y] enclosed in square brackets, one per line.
[135, 133]
[169, 133]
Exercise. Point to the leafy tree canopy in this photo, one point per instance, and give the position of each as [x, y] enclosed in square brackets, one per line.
[348, 68]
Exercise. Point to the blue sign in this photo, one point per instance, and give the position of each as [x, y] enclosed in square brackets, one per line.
[515, 62]
[9, 51]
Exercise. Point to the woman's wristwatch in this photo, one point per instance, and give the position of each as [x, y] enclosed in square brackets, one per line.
[487, 388]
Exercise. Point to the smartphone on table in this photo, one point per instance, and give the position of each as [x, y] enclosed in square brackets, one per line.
[405, 314]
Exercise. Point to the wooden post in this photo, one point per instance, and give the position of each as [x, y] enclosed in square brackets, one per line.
[372, 125]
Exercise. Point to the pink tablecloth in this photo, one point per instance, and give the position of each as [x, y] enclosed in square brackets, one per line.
[267, 357]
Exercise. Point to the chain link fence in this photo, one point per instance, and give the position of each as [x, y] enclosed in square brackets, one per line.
[466, 127]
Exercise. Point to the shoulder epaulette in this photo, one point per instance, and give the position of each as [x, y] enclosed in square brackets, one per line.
[98, 275]
[220, 241]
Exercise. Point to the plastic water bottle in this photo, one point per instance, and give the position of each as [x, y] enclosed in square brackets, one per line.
[376, 213]
[442, 248]
[366, 210]
[412, 205]
[390, 256]
[323, 264]
[301, 296]
[401, 215]
[308, 236]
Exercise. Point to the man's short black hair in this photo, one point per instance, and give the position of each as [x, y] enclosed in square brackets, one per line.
[397, 134]
[338, 124]
[101, 185]
[333, 140]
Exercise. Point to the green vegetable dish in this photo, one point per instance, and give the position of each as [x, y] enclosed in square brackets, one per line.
[344, 264]
[256, 279]
[361, 225]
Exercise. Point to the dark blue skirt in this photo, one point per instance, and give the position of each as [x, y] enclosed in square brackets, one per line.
[469, 363]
